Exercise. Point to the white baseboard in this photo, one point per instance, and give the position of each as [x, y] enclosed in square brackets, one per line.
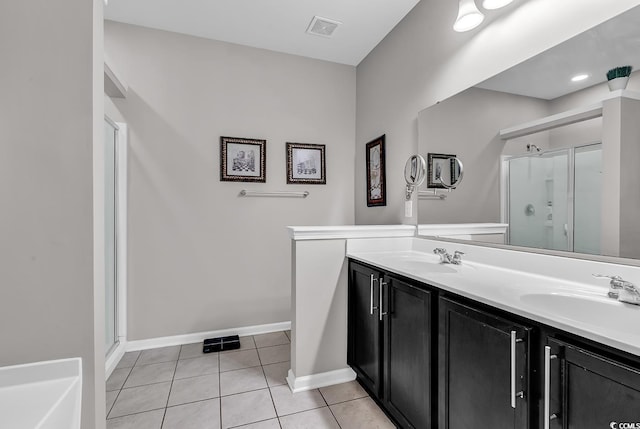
[314, 381]
[176, 340]
[114, 358]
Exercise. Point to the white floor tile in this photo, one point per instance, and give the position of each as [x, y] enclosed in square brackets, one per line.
[246, 408]
[149, 374]
[110, 399]
[162, 354]
[277, 373]
[147, 420]
[343, 392]
[320, 418]
[271, 339]
[188, 351]
[242, 380]
[195, 367]
[140, 399]
[128, 360]
[361, 414]
[194, 389]
[197, 415]
[275, 354]
[229, 390]
[238, 360]
[287, 402]
[117, 378]
[265, 424]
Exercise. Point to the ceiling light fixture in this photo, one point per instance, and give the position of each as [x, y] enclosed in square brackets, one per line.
[495, 4]
[579, 77]
[469, 17]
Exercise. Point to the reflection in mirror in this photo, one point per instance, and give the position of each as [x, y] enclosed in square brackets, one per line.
[553, 199]
[550, 158]
[414, 170]
[414, 174]
[444, 171]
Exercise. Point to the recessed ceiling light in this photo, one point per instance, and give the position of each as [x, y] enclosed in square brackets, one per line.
[579, 77]
[322, 26]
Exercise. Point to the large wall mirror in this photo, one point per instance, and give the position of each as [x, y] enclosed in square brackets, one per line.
[551, 158]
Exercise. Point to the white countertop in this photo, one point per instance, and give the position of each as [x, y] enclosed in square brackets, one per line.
[526, 285]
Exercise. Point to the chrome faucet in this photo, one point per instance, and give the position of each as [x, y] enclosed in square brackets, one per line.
[446, 258]
[457, 257]
[621, 289]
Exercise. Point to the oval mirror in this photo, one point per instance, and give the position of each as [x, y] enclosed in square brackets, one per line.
[415, 170]
[444, 171]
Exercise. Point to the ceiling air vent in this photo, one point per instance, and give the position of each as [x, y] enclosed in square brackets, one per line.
[322, 26]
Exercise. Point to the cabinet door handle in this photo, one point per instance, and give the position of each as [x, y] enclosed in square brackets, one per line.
[520, 394]
[547, 386]
[380, 312]
[371, 307]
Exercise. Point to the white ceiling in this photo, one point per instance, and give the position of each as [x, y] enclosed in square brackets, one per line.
[611, 44]
[278, 25]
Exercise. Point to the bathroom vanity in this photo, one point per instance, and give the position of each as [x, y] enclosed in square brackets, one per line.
[506, 339]
[434, 356]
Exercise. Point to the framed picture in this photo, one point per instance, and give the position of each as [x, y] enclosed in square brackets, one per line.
[243, 160]
[376, 176]
[306, 164]
[441, 166]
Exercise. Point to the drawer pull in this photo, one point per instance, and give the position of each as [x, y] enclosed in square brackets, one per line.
[380, 312]
[514, 394]
[547, 386]
[371, 307]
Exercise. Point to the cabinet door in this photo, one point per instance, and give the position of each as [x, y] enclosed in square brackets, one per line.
[590, 391]
[407, 353]
[483, 364]
[364, 351]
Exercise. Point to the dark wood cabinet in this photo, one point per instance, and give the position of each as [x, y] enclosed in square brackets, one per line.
[483, 363]
[407, 353]
[433, 359]
[390, 343]
[365, 331]
[586, 390]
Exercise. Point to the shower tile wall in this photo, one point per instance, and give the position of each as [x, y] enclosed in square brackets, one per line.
[538, 201]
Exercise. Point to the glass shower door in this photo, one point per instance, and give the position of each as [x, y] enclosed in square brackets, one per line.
[110, 194]
[588, 199]
[539, 201]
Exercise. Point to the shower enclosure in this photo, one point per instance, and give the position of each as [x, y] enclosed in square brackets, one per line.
[114, 189]
[552, 200]
[110, 236]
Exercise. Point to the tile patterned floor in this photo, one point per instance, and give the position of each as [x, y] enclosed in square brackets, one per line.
[181, 388]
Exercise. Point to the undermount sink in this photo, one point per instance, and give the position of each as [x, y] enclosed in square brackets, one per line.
[597, 309]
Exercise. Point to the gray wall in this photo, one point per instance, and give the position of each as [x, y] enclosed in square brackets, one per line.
[200, 258]
[629, 179]
[467, 126]
[49, 82]
[423, 61]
